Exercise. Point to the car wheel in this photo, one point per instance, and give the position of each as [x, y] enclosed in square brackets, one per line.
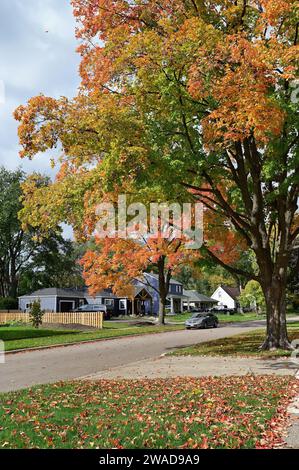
[215, 325]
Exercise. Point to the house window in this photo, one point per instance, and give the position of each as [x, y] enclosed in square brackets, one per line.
[28, 306]
[109, 302]
[123, 304]
[178, 288]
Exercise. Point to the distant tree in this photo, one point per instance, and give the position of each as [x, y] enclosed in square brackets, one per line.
[253, 296]
[204, 277]
[8, 303]
[27, 260]
[16, 247]
[55, 263]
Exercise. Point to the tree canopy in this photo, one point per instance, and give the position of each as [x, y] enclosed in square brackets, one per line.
[192, 100]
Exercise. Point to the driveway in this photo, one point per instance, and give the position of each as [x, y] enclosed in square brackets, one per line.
[25, 369]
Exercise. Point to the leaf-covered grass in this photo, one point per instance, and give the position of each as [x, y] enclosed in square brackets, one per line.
[245, 344]
[70, 337]
[231, 412]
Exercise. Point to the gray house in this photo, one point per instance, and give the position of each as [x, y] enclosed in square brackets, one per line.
[64, 300]
[53, 299]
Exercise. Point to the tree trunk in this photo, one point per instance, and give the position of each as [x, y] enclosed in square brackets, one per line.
[276, 335]
[162, 304]
[13, 279]
[164, 280]
[13, 288]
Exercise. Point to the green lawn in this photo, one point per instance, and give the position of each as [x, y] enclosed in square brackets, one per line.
[22, 337]
[219, 412]
[246, 344]
[11, 333]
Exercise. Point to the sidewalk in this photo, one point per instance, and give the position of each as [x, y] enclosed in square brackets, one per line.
[197, 366]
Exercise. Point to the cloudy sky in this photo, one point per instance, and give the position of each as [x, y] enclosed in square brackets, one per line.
[37, 55]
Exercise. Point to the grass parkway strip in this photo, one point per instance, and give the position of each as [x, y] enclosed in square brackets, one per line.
[245, 344]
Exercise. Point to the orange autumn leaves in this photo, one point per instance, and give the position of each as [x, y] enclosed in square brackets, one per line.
[231, 55]
[245, 105]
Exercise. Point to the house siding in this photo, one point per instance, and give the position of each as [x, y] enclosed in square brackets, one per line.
[47, 303]
[175, 288]
[224, 298]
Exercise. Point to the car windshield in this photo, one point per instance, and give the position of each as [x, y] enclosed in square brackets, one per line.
[198, 315]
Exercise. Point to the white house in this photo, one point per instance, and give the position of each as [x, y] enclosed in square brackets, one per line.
[227, 297]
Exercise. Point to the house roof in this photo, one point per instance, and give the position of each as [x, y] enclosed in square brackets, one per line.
[233, 292]
[106, 293]
[194, 296]
[172, 281]
[139, 289]
[54, 291]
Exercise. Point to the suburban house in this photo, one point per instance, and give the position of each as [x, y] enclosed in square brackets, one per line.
[53, 299]
[227, 297]
[174, 299]
[146, 298]
[65, 300]
[197, 300]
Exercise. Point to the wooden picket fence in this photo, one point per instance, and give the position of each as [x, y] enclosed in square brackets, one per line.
[94, 319]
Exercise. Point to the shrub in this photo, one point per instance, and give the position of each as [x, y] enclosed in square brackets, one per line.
[36, 314]
[8, 303]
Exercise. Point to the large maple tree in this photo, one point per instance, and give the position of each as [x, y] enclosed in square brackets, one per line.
[197, 94]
